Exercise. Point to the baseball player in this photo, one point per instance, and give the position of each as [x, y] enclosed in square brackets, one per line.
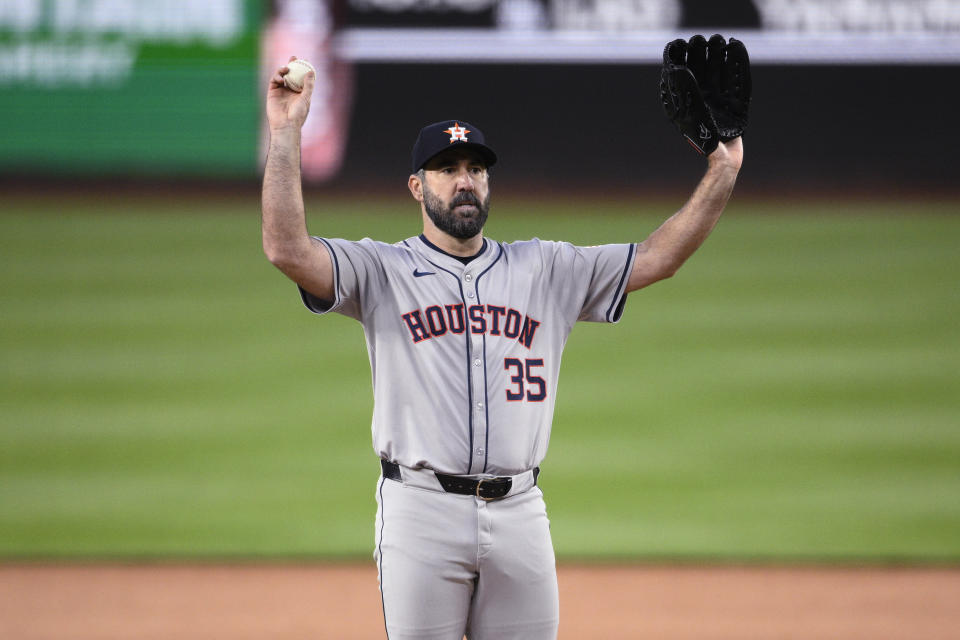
[465, 335]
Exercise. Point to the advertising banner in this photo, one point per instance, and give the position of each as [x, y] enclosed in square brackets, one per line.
[156, 87]
[632, 31]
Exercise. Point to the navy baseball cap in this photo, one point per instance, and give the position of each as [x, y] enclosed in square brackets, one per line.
[440, 136]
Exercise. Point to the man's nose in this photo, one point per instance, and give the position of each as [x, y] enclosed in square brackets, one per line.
[464, 181]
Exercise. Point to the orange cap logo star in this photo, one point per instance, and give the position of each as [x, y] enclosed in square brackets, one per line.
[457, 132]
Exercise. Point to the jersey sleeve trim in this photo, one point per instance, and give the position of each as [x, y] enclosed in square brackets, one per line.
[318, 305]
[615, 311]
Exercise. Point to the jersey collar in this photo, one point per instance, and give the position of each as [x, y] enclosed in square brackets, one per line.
[438, 256]
[459, 259]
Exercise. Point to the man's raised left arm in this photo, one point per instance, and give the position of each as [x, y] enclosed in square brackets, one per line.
[705, 90]
[667, 248]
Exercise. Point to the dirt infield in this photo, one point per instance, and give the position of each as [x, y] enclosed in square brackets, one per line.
[39, 602]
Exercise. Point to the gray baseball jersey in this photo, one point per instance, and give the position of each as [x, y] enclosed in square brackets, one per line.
[465, 358]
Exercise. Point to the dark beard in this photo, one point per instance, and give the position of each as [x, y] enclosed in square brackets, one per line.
[451, 223]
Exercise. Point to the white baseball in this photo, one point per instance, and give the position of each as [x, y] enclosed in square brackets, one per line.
[298, 69]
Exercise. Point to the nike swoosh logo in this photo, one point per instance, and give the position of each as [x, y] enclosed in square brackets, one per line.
[419, 274]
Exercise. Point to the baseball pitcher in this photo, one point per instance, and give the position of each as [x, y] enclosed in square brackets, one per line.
[465, 334]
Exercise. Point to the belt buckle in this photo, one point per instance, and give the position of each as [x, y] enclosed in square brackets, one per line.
[480, 482]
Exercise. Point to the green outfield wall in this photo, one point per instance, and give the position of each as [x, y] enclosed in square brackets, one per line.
[90, 87]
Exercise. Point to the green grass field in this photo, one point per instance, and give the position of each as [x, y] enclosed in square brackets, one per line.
[793, 394]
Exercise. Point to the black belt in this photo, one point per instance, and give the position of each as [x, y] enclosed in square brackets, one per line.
[484, 488]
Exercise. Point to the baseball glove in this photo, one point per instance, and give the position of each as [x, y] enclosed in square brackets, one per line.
[705, 89]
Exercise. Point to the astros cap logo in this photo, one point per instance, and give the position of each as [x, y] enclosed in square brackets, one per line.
[457, 132]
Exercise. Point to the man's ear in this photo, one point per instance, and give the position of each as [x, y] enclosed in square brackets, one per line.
[416, 187]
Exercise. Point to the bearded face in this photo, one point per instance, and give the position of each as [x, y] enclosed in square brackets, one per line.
[462, 218]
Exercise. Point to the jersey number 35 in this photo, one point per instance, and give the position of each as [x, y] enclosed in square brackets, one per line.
[524, 379]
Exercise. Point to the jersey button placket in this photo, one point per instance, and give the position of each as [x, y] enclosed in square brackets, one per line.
[479, 384]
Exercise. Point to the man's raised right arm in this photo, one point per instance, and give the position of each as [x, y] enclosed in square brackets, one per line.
[286, 241]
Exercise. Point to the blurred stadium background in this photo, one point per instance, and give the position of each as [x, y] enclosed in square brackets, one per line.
[792, 395]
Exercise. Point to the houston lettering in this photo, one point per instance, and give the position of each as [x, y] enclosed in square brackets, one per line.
[437, 320]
